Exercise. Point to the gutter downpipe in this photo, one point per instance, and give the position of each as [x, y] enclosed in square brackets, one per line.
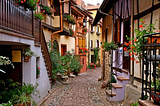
[60, 22]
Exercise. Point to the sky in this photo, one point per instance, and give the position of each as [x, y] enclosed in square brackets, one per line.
[93, 1]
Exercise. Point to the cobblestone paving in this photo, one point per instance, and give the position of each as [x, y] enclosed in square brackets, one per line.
[84, 90]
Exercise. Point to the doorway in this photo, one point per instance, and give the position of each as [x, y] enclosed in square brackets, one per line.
[63, 49]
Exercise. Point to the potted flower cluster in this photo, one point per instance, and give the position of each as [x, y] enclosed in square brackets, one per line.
[83, 50]
[37, 71]
[91, 66]
[29, 4]
[135, 48]
[109, 46]
[69, 18]
[28, 54]
[39, 15]
[84, 30]
[71, 31]
[46, 9]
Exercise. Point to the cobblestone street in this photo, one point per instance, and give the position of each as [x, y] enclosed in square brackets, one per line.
[84, 90]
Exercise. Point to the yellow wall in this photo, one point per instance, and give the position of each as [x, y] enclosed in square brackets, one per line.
[93, 37]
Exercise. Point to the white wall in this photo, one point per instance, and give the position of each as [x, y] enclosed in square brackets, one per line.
[29, 68]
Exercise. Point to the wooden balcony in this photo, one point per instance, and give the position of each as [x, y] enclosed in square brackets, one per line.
[15, 19]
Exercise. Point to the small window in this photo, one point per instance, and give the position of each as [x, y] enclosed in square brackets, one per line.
[97, 29]
[92, 28]
[91, 44]
[97, 43]
[38, 69]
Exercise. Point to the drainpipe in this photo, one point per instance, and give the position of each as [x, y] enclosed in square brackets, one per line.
[60, 22]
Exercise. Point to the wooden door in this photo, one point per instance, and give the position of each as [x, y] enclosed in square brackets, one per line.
[16, 73]
[63, 49]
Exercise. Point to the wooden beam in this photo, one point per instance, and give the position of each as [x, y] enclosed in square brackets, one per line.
[149, 10]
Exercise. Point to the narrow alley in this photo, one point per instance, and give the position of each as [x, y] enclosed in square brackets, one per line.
[83, 90]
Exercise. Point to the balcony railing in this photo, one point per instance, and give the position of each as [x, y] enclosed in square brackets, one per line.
[14, 18]
[151, 68]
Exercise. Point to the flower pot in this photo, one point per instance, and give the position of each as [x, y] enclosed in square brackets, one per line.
[92, 68]
[28, 104]
[157, 99]
[26, 58]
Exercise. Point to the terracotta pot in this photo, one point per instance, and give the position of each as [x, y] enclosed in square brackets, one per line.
[28, 104]
[157, 99]
[26, 58]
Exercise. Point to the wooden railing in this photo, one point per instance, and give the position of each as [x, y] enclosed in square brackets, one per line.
[46, 54]
[14, 18]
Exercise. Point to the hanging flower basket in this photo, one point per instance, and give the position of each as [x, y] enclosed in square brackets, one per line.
[26, 58]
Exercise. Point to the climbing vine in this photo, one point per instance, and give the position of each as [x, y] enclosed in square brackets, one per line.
[96, 56]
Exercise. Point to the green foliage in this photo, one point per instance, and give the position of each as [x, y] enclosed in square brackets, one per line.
[144, 29]
[7, 104]
[157, 85]
[37, 70]
[15, 93]
[39, 16]
[5, 61]
[69, 62]
[84, 29]
[91, 65]
[46, 9]
[95, 56]
[109, 46]
[113, 80]
[30, 4]
[69, 18]
[71, 31]
[135, 104]
[28, 52]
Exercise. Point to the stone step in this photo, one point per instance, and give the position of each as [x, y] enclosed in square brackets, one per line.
[116, 85]
[147, 102]
[125, 71]
[117, 69]
[108, 92]
[122, 78]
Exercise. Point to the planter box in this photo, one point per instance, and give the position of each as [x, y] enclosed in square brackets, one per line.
[157, 99]
[26, 58]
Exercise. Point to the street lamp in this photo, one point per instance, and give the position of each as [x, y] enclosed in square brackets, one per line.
[84, 22]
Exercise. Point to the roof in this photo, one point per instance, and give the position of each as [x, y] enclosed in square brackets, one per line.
[84, 11]
[92, 7]
[105, 7]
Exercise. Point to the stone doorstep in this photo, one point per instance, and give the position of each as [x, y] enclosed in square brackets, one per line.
[122, 78]
[147, 103]
[125, 71]
[116, 85]
[108, 92]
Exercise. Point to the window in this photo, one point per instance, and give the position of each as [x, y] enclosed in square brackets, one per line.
[97, 29]
[92, 28]
[37, 68]
[63, 49]
[97, 43]
[91, 44]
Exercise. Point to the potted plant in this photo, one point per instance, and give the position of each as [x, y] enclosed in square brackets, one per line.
[46, 9]
[71, 31]
[109, 46]
[91, 66]
[84, 30]
[69, 18]
[39, 16]
[28, 54]
[29, 4]
[37, 71]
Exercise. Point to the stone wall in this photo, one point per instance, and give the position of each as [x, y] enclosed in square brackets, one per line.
[106, 62]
